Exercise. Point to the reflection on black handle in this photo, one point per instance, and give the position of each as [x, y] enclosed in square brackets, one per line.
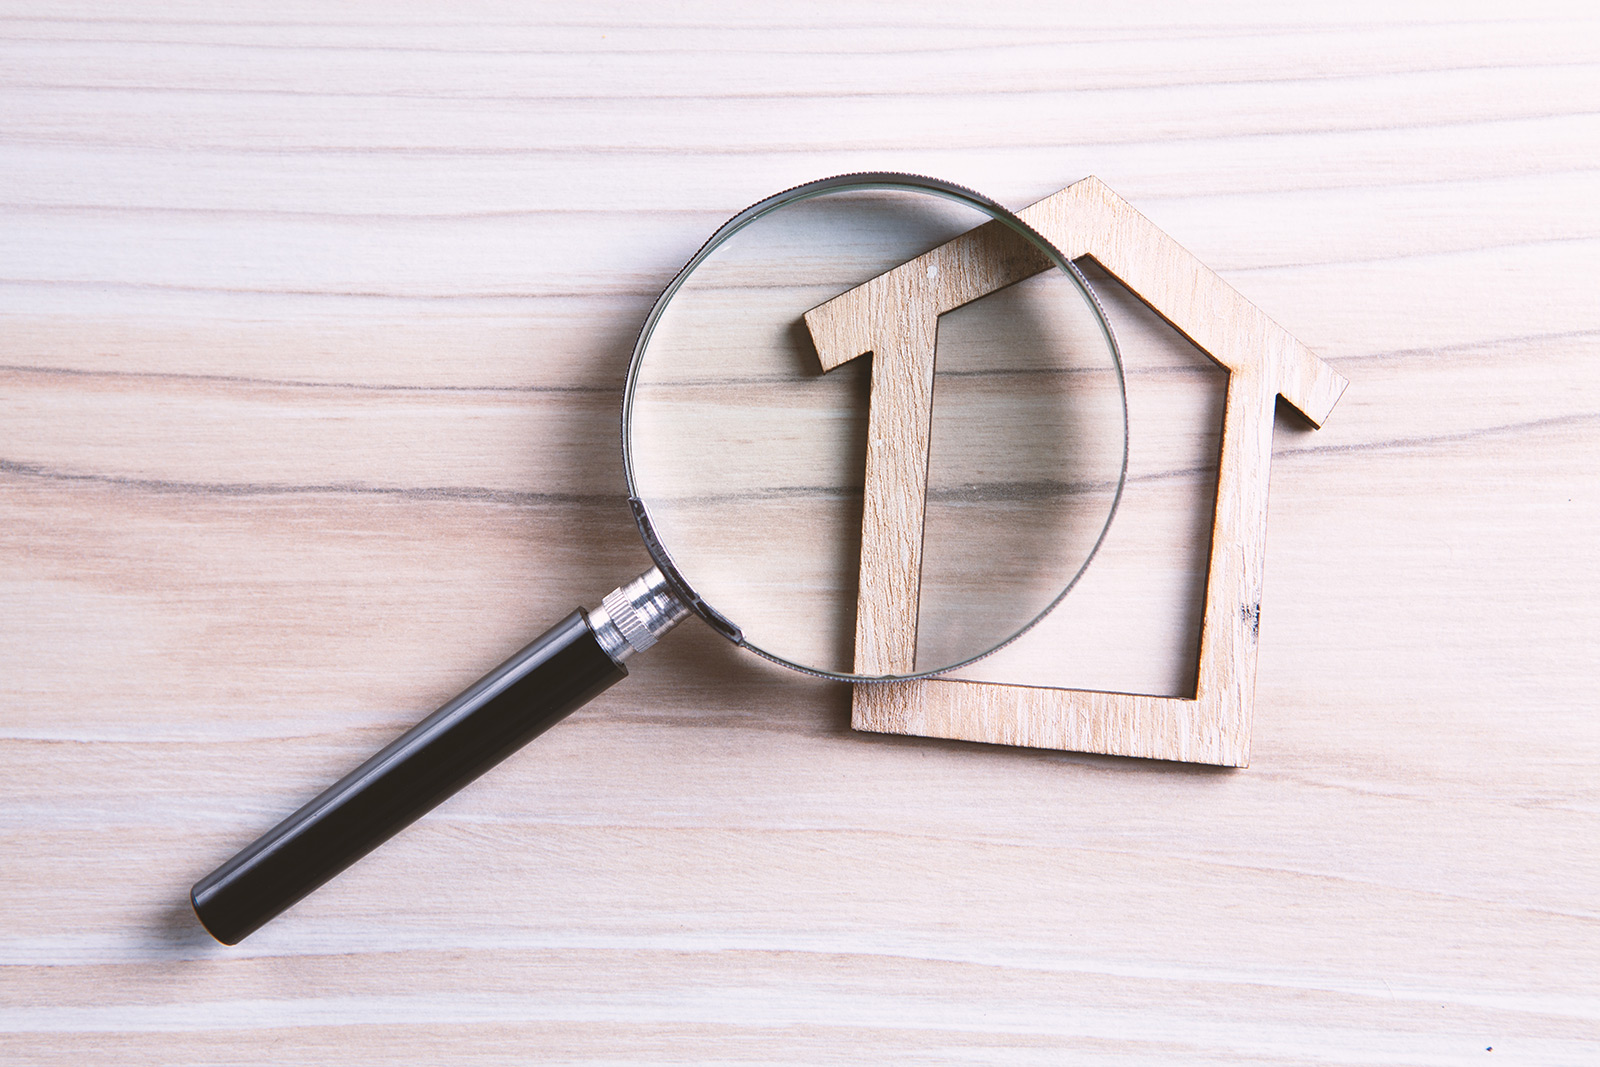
[513, 704]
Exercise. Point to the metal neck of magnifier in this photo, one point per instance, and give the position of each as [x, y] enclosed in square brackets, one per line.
[569, 665]
[633, 617]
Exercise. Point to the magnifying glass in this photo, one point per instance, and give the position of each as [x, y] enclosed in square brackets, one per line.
[903, 515]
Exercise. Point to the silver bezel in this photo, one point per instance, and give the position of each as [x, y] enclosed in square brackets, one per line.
[867, 181]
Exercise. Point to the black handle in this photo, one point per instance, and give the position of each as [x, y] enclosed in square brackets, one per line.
[507, 708]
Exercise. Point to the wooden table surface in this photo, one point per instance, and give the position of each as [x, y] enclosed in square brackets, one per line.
[313, 323]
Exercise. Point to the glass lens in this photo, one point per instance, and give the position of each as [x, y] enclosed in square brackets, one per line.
[750, 463]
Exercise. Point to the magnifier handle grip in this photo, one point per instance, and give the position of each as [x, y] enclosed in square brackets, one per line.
[507, 708]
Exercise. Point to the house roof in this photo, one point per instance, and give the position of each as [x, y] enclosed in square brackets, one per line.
[1088, 219]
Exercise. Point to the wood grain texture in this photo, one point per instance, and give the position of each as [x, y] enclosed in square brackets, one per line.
[895, 318]
[314, 323]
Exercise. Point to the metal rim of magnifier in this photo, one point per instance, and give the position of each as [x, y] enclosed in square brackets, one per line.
[864, 181]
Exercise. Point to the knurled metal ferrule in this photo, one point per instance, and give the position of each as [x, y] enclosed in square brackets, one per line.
[631, 618]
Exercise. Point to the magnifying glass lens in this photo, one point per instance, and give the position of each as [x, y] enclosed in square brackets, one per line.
[750, 463]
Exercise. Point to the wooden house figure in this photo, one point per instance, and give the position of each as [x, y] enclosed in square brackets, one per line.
[894, 316]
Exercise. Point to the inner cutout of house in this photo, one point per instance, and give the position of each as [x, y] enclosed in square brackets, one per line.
[1191, 701]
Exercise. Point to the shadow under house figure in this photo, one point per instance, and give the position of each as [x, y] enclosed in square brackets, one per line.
[894, 317]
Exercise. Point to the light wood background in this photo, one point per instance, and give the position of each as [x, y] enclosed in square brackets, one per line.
[313, 322]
